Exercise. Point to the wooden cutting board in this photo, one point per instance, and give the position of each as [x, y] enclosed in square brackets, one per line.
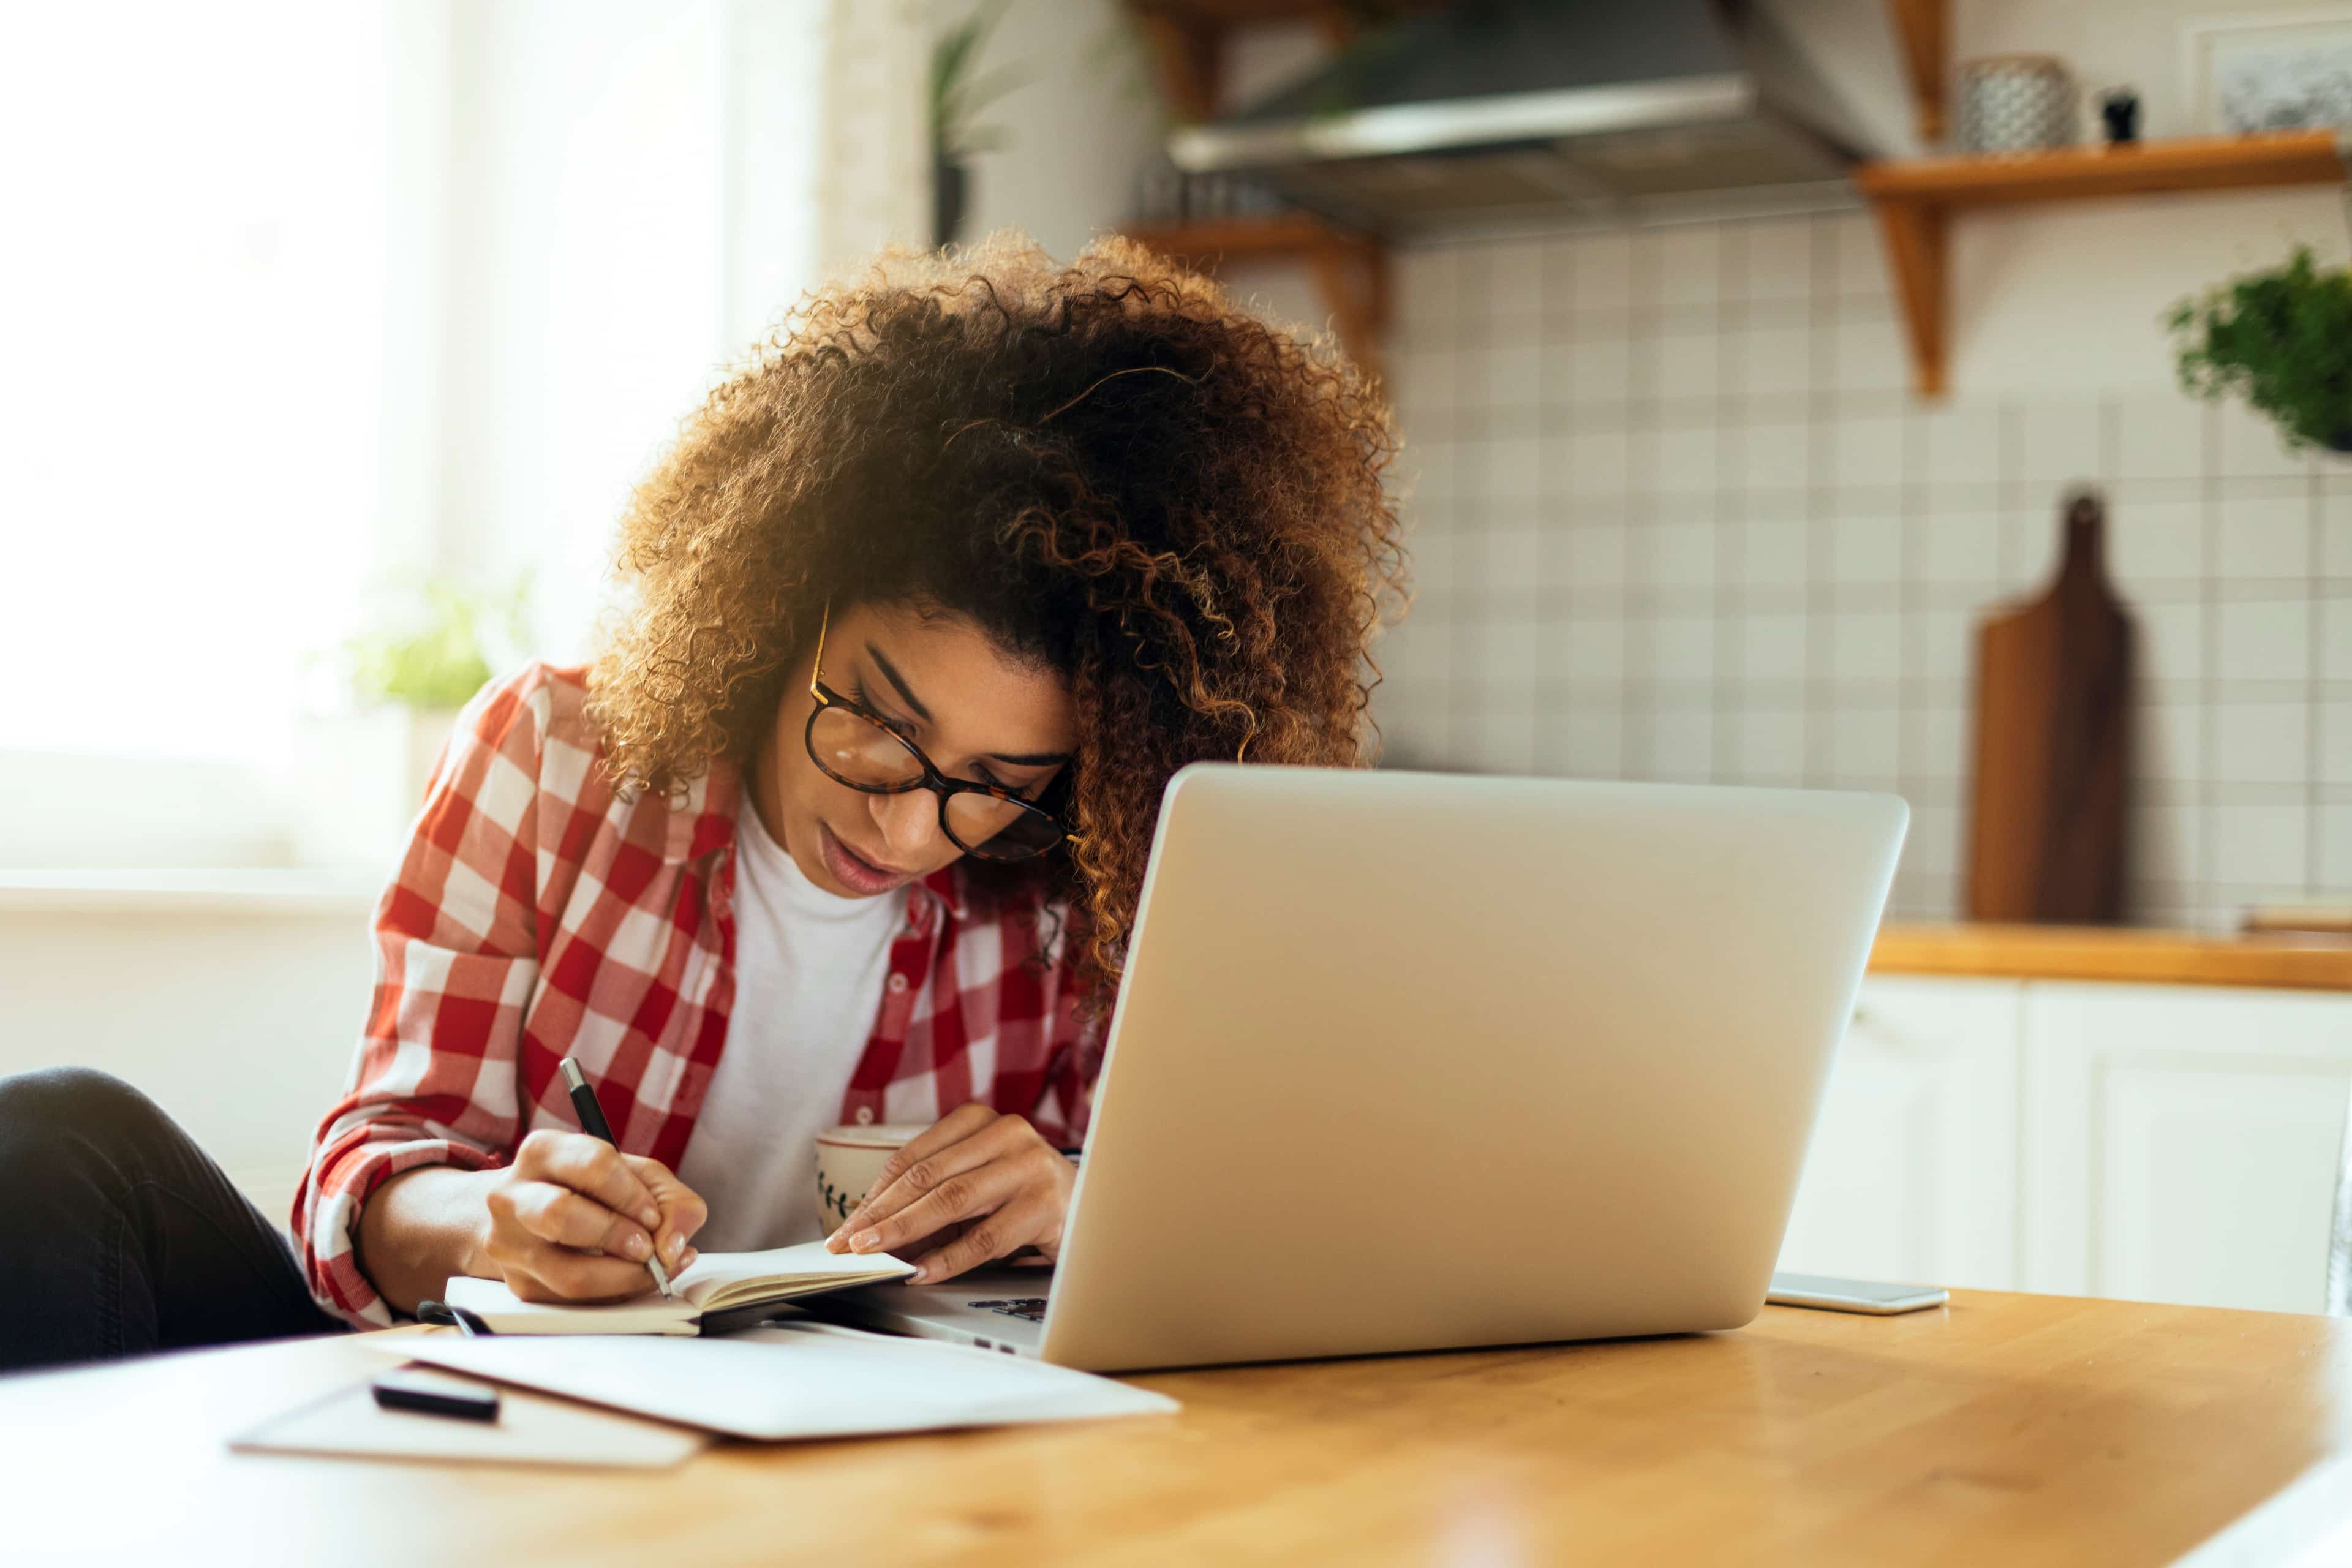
[2052, 721]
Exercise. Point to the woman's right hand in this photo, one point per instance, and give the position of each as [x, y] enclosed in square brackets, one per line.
[574, 1219]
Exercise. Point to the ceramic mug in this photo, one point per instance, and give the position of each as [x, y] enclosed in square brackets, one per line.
[848, 1159]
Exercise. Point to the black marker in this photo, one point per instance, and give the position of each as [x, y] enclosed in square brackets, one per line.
[432, 1393]
[593, 1123]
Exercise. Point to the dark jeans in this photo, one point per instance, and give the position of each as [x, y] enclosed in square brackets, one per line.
[118, 1236]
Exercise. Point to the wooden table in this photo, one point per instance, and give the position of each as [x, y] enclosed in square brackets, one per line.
[2006, 1430]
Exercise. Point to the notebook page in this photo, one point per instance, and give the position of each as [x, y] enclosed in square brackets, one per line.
[806, 1263]
[782, 1382]
[509, 1314]
[726, 1275]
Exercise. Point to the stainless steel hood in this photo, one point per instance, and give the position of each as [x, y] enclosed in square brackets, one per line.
[1508, 112]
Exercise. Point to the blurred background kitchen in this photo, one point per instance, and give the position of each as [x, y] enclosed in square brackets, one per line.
[1747, 358]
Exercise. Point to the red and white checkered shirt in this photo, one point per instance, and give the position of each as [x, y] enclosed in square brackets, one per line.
[537, 914]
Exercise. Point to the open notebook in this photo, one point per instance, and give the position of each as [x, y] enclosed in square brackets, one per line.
[721, 1290]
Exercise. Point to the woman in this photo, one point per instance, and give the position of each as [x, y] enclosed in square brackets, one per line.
[847, 821]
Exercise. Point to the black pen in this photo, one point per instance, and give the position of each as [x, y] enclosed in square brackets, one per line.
[593, 1123]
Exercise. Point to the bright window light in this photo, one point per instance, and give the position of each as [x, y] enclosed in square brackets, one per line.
[192, 304]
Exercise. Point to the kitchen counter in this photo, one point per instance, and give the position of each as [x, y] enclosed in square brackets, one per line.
[2136, 955]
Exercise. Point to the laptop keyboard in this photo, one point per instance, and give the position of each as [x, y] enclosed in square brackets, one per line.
[1033, 1308]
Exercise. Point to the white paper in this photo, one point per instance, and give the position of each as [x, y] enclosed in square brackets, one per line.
[652, 1314]
[780, 1381]
[714, 1271]
[532, 1428]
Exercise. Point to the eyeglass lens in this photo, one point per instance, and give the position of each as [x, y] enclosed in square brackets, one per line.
[864, 755]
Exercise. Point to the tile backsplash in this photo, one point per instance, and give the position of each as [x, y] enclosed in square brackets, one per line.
[1675, 518]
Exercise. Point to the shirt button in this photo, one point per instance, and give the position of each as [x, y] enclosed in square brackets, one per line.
[898, 984]
[865, 1116]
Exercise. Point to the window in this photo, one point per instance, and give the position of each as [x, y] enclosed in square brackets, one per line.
[194, 305]
[307, 298]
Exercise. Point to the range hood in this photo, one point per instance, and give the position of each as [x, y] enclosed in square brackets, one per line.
[1510, 111]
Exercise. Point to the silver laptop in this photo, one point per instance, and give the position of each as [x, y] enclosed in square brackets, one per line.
[1411, 1062]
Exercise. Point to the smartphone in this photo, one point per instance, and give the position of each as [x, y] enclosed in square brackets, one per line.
[1853, 1295]
[435, 1393]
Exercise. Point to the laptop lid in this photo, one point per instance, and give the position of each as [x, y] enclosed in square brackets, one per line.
[1408, 1061]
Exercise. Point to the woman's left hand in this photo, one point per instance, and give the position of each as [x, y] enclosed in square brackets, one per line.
[994, 1175]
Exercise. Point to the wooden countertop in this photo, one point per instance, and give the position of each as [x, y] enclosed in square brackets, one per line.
[2133, 954]
[2004, 1428]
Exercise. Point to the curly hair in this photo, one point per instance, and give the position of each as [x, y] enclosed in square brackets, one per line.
[1109, 467]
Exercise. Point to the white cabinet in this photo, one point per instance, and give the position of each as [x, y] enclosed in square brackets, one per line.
[2153, 1142]
[2181, 1144]
[1912, 1173]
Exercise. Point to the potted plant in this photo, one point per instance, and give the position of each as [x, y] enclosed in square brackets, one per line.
[432, 664]
[2282, 339]
[384, 705]
[958, 95]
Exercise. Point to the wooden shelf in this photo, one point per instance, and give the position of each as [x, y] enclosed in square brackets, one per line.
[1923, 32]
[1913, 197]
[1351, 269]
[2136, 168]
[2125, 954]
[1187, 40]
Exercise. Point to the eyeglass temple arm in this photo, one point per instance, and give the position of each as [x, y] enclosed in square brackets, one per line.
[817, 665]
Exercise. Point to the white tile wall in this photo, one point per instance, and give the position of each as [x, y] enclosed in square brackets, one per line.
[1676, 518]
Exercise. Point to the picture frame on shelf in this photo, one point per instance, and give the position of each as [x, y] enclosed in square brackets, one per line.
[2277, 70]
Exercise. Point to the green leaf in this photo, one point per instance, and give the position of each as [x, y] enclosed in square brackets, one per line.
[438, 660]
[957, 96]
[988, 87]
[2280, 339]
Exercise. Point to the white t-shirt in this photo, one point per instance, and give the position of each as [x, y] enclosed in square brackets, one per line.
[809, 972]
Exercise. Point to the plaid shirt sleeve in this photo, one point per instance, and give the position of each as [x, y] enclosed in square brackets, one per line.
[435, 1078]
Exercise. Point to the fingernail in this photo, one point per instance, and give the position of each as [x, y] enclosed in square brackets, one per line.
[921, 1276]
[640, 1249]
[687, 1257]
[650, 1217]
[676, 1243]
[865, 1241]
